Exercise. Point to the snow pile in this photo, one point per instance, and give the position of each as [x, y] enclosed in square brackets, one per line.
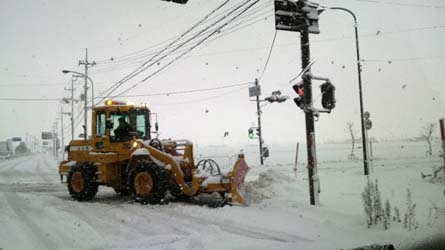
[266, 186]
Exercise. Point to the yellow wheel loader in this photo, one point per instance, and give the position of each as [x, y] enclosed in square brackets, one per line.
[121, 154]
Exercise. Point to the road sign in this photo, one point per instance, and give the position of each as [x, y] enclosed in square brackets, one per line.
[254, 91]
[47, 135]
[368, 124]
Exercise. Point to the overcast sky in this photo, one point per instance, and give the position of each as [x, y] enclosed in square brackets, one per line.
[401, 43]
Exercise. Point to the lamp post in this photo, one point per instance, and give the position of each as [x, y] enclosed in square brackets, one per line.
[359, 71]
[85, 93]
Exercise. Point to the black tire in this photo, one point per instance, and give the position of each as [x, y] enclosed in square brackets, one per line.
[148, 183]
[122, 191]
[177, 194]
[81, 182]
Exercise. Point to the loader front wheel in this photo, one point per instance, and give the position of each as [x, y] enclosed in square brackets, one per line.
[148, 183]
[82, 184]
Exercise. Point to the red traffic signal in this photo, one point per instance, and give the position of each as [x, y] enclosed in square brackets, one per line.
[299, 89]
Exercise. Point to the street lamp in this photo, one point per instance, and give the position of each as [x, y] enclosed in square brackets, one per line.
[92, 95]
[359, 70]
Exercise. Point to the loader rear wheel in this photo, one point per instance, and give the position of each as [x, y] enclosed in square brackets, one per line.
[82, 184]
[148, 183]
[122, 191]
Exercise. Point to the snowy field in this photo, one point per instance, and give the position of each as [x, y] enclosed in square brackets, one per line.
[38, 213]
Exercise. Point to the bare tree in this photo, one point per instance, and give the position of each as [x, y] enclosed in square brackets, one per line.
[351, 132]
[427, 134]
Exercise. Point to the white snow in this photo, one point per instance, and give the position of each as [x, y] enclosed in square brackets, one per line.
[141, 151]
[38, 213]
[71, 163]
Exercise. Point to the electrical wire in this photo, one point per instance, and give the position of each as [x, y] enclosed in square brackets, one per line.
[403, 4]
[188, 91]
[176, 48]
[404, 59]
[203, 99]
[270, 53]
[142, 53]
[196, 45]
[143, 67]
[259, 17]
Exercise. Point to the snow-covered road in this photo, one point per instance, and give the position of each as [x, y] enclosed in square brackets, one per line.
[38, 213]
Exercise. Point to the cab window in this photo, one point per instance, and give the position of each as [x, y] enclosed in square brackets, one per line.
[100, 123]
[141, 125]
[121, 127]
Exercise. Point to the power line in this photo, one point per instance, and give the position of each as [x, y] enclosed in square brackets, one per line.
[179, 46]
[404, 59]
[259, 17]
[203, 99]
[270, 53]
[143, 67]
[189, 91]
[142, 53]
[31, 99]
[80, 110]
[404, 4]
[196, 45]
[263, 18]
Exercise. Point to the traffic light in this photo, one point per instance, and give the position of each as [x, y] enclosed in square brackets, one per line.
[328, 95]
[294, 15]
[288, 17]
[310, 11]
[299, 89]
[257, 131]
[276, 97]
[251, 133]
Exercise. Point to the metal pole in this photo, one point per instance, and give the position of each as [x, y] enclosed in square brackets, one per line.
[62, 128]
[260, 138]
[92, 93]
[72, 109]
[296, 159]
[442, 136]
[85, 94]
[309, 118]
[359, 70]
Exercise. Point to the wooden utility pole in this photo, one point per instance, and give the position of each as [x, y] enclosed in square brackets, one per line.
[260, 137]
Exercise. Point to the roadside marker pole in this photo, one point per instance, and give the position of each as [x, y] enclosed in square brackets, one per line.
[296, 159]
[442, 135]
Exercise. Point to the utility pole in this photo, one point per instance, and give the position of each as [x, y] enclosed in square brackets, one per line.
[55, 139]
[86, 63]
[309, 118]
[260, 138]
[72, 107]
[302, 16]
[62, 128]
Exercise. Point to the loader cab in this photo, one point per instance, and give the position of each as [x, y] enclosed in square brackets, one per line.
[115, 125]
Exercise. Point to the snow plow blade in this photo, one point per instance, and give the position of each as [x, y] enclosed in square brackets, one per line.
[238, 175]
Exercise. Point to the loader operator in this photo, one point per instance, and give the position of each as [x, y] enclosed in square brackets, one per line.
[122, 131]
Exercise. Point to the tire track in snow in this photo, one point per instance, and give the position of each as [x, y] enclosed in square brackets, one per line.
[19, 207]
[51, 229]
[12, 164]
[44, 177]
[237, 229]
